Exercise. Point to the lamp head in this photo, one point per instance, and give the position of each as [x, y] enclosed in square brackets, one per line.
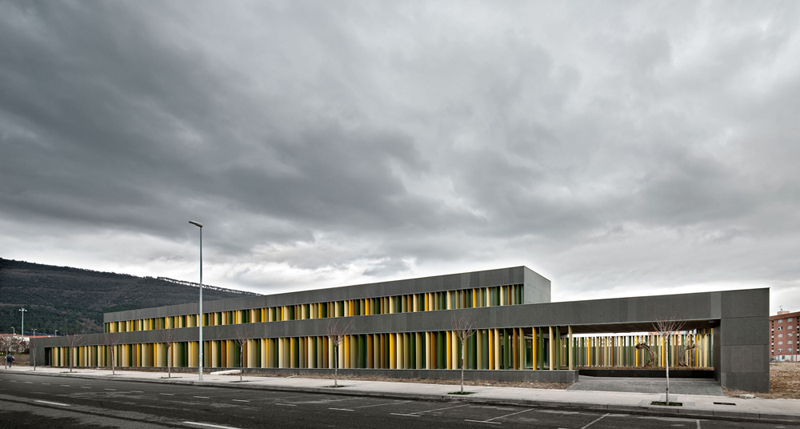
[197, 224]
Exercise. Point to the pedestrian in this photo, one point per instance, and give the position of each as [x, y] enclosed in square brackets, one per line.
[9, 360]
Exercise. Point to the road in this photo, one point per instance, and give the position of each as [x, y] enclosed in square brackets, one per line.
[64, 402]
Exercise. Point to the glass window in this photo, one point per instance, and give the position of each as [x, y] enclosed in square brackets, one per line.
[780, 342]
[780, 335]
[780, 320]
[780, 328]
[789, 319]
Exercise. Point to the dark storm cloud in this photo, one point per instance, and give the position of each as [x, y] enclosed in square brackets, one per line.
[611, 144]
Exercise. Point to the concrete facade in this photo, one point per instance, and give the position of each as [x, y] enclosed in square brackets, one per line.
[739, 321]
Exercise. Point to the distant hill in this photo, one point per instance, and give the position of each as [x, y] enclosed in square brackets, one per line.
[74, 299]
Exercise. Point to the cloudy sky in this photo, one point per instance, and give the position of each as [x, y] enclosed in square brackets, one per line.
[617, 148]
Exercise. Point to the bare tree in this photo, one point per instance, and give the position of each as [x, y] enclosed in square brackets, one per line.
[463, 328]
[111, 340]
[242, 336]
[74, 340]
[666, 326]
[336, 331]
[5, 345]
[168, 338]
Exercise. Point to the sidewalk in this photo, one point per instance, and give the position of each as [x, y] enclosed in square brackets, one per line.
[694, 406]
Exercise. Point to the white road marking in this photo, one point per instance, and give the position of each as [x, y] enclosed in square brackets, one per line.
[136, 391]
[239, 400]
[380, 405]
[51, 403]
[111, 389]
[85, 387]
[286, 405]
[341, 409]
[208, 425]
[28, 382]
[417, 414]
[482, 421]
[598, 419]
[203, 397]
[499, 417]
[65, 385]
[167, 394]
[698, 424]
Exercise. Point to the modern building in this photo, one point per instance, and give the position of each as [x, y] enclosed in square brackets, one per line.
[406, 328]
[784, 330]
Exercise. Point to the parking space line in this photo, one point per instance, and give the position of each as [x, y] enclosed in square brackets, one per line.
[597, 420]
[499, 417]
[208, 425]
[51, 403]
[380, 405]
[417, 414]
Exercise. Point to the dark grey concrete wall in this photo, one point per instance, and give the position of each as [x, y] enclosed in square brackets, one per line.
[489, 278]
[744, 340]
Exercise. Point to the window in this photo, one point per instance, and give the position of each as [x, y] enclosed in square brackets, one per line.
[780, 328]
[790, 327]
[780, 335]
[789, 342]
[780, 350]
[789, 334]
[789, 319]
[780, 342]
[780, 320]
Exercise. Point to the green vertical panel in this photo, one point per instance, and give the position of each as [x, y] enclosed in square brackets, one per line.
[471, 356]
[485, 351]
[362, 352]
[412, 340]
[440, 350]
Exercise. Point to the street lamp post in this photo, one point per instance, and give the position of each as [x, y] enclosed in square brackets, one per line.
[22, 310]
[33, 350]
[56, 334]
[200, 315]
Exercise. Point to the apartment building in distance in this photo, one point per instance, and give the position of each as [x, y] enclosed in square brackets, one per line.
[784, 330]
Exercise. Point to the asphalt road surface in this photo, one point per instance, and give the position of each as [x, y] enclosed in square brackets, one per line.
[32, 401]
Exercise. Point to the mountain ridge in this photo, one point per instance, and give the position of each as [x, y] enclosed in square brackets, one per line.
[73, 300]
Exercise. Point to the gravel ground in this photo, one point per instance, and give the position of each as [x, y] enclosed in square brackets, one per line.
[784, 382]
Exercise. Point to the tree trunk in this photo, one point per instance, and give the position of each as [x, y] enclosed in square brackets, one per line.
[113, 372]
[241, 361]
[70, 359]
[336, 366]
[462, 366]
[666, 352]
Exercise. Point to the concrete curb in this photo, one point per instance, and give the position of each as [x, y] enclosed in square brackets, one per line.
[652, 410]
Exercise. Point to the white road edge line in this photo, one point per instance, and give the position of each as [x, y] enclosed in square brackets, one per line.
[598, 419]
[341, 409]
[401, 414]
[203, 397]
[482, 421]
[286, 405]
[51, 403]
[208, 425]
[239, 400]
